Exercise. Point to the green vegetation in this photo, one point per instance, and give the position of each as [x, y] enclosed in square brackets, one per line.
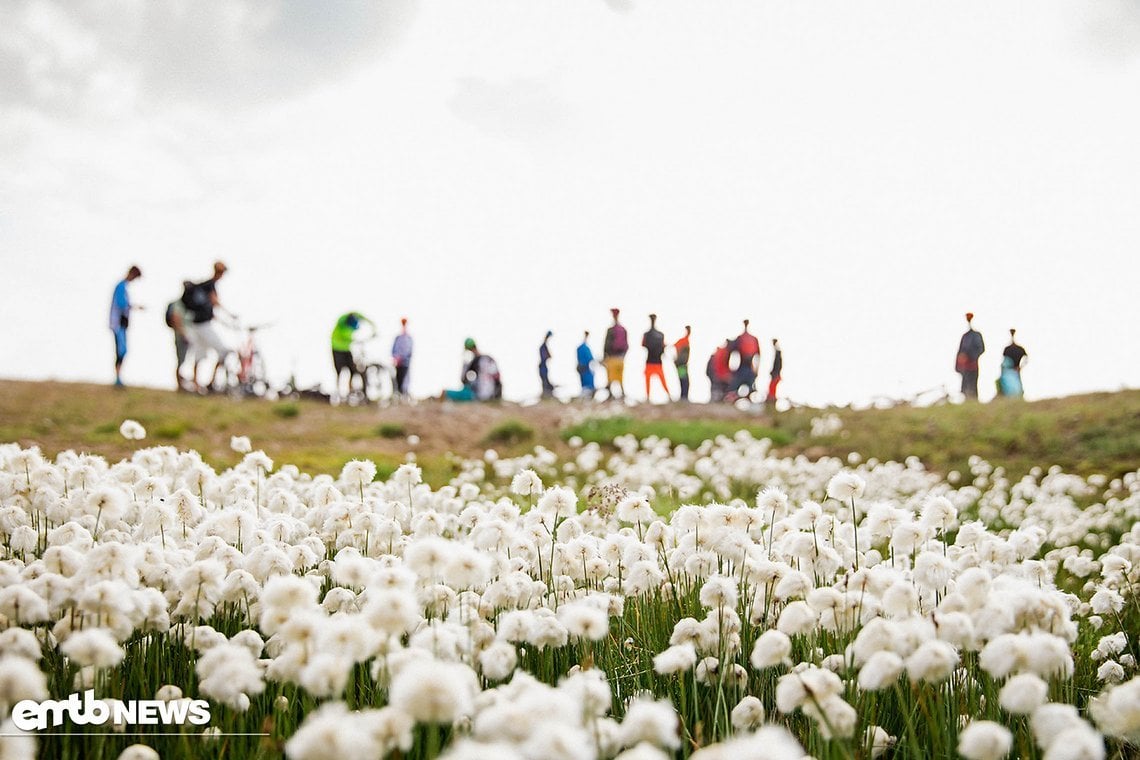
[691, 433]
[391, 430]
[509, 432]
[1096, 433]
[170, 431]
[287, 409]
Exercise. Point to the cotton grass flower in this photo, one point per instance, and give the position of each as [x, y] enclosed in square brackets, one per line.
[434, 692]
[748, 715]
[584, 622]
[845, 486]
[526, 483]
[772, 648]
[651, 721]
[675, 659]
[94, 647]
[20, 679]
[138, 752]
[1116, 711]
[881, 671]
[132, 430]
[1023, 693]
[984, 740]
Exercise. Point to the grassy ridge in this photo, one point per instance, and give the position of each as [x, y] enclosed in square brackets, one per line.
[1095, 433]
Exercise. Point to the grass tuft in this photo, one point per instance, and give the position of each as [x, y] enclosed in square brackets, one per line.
[509, 432]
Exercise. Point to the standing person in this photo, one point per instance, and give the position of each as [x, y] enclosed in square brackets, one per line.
[1013, 358]
[777, 368]
[614, 349]
[402, 357]
[201, 300]
[120, 318]
[681, 362]
[343, 333]
[176, 319]
[585, 359]
[543, 370]
[970, 348]
[719, 371]
[748, 351]
[653, 341]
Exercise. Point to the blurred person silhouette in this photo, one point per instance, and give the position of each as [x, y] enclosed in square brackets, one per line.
[402, 347]
[777, 369]
[970, 348]
[747, 348]
[201, 301]
[480, 380]
[343, 334]
[585, 366]
[1012, 360]
[653, 341]
[719, 372]
[614, 348]
[120, 317]
[176, 319]
[681, 361]
[543, 369]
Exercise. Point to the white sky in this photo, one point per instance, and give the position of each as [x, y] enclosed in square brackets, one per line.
[852, 176]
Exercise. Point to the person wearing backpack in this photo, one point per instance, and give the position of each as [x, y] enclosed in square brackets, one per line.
[970, 349]
[201, 300]
[480, 378]
[120, 318]
[653, 341]
[176, 319]
[614, 348]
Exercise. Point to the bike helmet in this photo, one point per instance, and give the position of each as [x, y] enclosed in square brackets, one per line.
[469, 344]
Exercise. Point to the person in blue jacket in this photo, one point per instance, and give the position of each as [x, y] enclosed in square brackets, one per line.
[585, 358]
[120, 318]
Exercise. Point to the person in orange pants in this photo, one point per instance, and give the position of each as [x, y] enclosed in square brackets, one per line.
[654, 343]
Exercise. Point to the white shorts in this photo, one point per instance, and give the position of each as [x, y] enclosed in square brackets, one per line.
[203, 339]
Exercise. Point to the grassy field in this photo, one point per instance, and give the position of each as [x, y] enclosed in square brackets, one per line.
[1097, 433]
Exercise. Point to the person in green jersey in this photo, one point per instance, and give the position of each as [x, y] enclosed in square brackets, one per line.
[342, 336]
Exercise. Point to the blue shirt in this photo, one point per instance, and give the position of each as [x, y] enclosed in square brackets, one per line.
[585, 355]
[402, 348]
[120, 305]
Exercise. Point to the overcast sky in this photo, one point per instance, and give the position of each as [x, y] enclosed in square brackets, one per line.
[852, 176]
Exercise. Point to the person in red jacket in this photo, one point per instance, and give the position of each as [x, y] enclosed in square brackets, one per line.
[748, 351]
[719, 372]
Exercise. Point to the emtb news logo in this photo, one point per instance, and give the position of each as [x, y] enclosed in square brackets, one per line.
[89, 711]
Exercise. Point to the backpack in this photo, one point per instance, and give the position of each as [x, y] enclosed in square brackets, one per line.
[620, 341]
[170, 314]
[196, 299]
[488, 384]
[655, 343]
